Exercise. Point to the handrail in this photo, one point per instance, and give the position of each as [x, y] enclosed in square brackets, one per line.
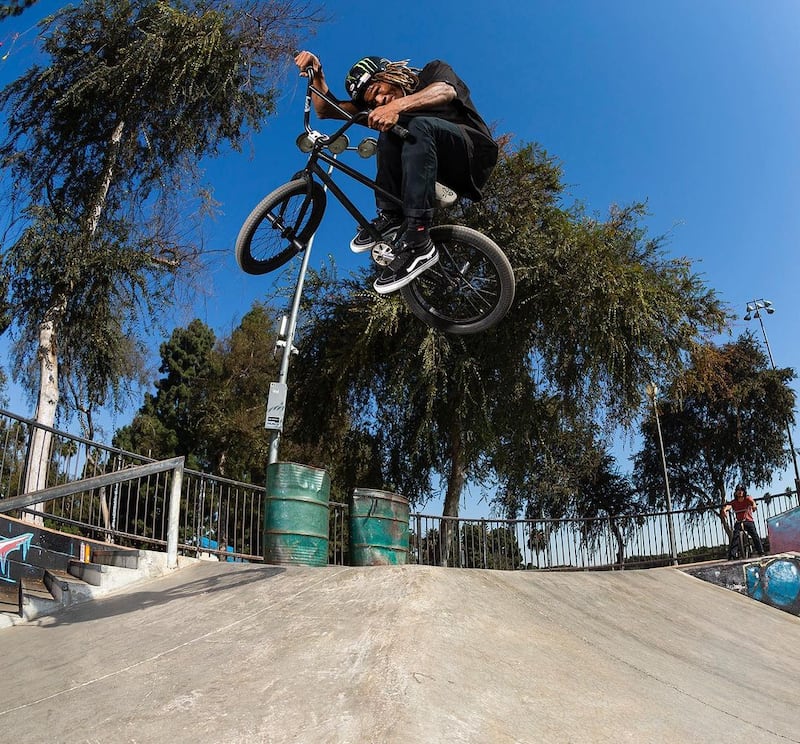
[73, 437]
[118, 476]
[86, 484]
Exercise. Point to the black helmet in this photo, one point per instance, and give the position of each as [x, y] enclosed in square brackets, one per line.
[740, 487]
[361, 74]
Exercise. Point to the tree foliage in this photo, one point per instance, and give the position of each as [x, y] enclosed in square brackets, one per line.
[103, 145]
[14, 8]
[169, 423]
[599, 311]
[723, 421]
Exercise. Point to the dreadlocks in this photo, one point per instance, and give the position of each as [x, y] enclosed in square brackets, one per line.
[399, 74]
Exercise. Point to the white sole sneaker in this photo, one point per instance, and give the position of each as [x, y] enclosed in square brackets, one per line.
[389, 237]
[389, 282]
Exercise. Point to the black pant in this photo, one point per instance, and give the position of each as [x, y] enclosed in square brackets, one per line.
[409, 169]
[750, 528]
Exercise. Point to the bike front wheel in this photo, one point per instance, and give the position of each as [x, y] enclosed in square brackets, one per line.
[469, 290]
[280, 226]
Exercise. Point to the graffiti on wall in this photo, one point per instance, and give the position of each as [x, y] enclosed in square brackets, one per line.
[776, 582]
[9, 545]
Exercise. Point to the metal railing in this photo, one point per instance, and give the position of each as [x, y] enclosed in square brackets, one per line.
[224, 518]
[639, 541]
[30, 501]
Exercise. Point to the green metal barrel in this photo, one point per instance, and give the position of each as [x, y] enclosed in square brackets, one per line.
[296, 515]
[378, 528]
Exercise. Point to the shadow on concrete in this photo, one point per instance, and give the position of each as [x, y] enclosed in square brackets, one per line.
[221, 577]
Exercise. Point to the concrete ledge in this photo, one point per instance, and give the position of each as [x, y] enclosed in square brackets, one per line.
[91, 573]
[65, 588]
[36, 600]
[111, 556]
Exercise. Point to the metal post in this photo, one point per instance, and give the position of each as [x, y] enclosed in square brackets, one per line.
[288, 340]
[283, 373]
[174, 515]
[652, 391]
[755, 307]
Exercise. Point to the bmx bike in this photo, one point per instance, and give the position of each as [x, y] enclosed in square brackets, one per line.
[741, 543]
[470, 288]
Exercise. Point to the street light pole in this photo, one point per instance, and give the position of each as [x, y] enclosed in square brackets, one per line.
[754, 308]
[276, 400]
[652, 392]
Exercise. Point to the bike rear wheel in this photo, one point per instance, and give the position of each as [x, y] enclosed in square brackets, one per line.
[469, 290]
[280, 226]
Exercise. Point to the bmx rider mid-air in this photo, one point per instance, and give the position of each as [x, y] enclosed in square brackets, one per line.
[448, 142]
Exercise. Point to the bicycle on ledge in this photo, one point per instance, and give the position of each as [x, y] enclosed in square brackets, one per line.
[469, 290]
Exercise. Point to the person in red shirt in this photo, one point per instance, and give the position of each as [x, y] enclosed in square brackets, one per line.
[743, 507]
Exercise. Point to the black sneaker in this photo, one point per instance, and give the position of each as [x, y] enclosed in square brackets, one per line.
[388, 224]
[413, 257]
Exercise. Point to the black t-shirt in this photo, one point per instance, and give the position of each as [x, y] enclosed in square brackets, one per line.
[482, 149]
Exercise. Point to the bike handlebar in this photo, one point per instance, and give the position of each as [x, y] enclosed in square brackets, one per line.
[397, 129]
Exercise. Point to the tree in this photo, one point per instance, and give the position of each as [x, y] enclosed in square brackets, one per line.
[14, 8]
[100, 145]
[232, 424]
[599, 311]
[606, 499]
[723, 421]
[169, 423]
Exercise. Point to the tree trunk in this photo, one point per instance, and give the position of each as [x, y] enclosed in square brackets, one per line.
[39, 452]
[720, 486]
[455, 486]
[620, 544]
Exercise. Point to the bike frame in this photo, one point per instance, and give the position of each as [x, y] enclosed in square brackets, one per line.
[320, 141]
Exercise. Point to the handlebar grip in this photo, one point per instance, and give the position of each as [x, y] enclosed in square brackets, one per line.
[309, 71]
[402, 132]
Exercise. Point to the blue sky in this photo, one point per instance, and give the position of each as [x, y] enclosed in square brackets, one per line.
[691, 105]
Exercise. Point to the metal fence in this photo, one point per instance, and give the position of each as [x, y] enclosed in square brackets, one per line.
[640, 541]
[224, 518]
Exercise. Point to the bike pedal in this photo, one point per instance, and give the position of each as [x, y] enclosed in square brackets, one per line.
[382, 254]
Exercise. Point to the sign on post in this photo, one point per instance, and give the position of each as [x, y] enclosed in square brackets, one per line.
[276, 406]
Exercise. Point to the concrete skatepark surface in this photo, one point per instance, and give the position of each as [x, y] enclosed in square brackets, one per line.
[230, 653]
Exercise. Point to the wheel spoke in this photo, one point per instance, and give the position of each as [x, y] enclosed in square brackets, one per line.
[280, 226]
[285, 223]
[465, 289]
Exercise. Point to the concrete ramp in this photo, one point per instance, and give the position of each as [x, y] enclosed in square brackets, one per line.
[229, 653]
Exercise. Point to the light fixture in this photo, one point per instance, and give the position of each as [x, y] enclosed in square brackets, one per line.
[754, 308]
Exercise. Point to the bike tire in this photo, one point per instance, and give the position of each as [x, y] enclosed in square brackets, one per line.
[469, 290]
[746, 544]
[280, 226]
